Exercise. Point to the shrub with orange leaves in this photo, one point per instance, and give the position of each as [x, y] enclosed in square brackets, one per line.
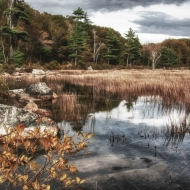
[34, 163]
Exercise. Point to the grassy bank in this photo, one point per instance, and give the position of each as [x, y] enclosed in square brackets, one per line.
[172, 86]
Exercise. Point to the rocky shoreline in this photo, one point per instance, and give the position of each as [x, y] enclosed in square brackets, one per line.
[30, 116]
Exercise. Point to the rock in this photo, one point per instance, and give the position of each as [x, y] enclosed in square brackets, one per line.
[38, 72]
[16, 74]
[15, 92]
[89, 68]
[55, 96]
[69, 65]
[6, 74]
[39, 90]
[24, 97]
[48, 72]
[29, 76]
[43, 112]
[11, 116]
[54, 101]
[34, 92]
[31, 106]
[17, 69]
[39, 76]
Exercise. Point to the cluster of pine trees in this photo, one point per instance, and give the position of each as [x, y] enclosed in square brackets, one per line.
[28, 36]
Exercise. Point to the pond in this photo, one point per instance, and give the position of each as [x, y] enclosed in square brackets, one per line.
[138, 144]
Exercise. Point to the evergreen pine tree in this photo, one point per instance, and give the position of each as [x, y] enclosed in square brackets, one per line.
[17, 58]
[15, 15]
[168, 57]
[112, 47]
[78, 39]
[132, 47]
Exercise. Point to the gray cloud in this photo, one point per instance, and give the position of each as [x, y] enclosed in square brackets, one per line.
[94, 5]
[150, 22]
[114, 5]
[161, 23]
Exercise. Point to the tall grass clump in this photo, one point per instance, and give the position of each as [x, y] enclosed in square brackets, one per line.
[176, 131]
[172, 86]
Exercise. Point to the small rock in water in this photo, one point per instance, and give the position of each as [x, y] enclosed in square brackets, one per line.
[38, 72]
[118, 168]
[147, 160]
[31, 106]
[39, 88]
[54, 96]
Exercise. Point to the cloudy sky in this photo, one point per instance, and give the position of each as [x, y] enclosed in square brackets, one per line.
[152, 20]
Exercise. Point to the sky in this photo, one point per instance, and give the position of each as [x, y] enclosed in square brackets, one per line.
[151, 20]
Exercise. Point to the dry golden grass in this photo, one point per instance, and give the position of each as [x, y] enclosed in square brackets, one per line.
[67, 107]
[172, 85]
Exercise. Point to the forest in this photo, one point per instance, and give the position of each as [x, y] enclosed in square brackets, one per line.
[29, 39]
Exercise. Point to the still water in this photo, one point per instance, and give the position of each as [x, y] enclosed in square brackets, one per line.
[134, 147]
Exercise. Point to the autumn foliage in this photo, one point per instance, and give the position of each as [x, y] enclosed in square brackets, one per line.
[34, 163]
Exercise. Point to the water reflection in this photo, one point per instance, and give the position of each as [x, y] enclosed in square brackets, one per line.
[154, 122]
[145, 132]
[139, 142]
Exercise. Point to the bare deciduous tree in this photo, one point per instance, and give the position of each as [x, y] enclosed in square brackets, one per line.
[154, 53]
[3, 51]
[98, 45]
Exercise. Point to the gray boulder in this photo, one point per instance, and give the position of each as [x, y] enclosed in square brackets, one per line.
[16, 74]
[38, 72]
[39, 90]
[90, 68]
[11, 116]
[14, 93]
[35, 92]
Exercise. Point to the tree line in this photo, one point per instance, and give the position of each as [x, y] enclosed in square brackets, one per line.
[28, 36]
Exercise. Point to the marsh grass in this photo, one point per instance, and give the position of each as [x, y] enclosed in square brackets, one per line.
[177, 124]
[21, 81]
[170, 85]
[67, 108]
[177, 130]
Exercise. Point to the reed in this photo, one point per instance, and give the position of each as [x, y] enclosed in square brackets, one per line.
[21, 81]
[66, 107]
[69, 108]
[172, 86]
